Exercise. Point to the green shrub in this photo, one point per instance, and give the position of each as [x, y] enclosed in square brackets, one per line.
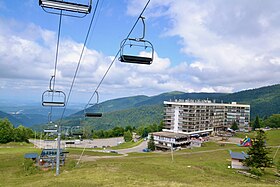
[29, 167]
[256, 171]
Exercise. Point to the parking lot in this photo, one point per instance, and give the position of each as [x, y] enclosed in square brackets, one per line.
[95, 143]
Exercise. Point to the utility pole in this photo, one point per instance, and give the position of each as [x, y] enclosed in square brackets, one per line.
[172, 152]
[58, 150]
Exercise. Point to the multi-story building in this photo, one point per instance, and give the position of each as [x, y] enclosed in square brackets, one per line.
[204, 116]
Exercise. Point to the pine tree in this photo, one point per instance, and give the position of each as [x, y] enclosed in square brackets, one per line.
[258, 153]
[151, 143]
[234, 126]
[257, 123]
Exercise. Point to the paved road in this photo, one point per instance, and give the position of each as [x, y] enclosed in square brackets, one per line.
[138, 148]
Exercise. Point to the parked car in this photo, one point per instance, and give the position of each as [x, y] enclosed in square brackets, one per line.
[113, 151]
[146, 150]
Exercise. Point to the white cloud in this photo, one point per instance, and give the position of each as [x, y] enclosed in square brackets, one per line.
[235, 42]
[27, 63]
[232, 44]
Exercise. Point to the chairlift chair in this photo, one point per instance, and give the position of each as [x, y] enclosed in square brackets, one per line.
[131, 49]
[66, 6]
[77, 131]
[136, 45]
[93, 113]
[53, 98]
[51, 129]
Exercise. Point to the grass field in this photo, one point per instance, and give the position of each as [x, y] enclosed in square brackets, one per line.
[205, 166]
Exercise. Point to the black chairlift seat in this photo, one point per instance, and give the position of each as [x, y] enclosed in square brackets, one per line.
[77, 134]
[66, 6]
[136, 59]
[93, 115]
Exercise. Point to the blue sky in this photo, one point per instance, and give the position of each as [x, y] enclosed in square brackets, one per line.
[200, 46]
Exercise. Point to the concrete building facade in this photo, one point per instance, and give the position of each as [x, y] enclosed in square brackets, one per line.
[204, 116]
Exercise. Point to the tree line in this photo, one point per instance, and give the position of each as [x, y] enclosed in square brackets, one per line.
[8, 133]
[127, 131]
[272, 121]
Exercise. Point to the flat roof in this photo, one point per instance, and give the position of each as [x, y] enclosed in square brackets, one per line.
[204, 103]
[31, 155]
[239, 156]
[170, 134]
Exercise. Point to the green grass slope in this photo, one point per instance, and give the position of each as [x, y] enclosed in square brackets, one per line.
[205, 166]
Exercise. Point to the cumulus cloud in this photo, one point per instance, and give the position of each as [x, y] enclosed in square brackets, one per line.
[27, 62]
[234, 43]
[229, 46]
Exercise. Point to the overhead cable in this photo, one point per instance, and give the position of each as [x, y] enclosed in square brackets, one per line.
[116, 56]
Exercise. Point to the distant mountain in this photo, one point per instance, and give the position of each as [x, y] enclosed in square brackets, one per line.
[12, 119]
[31, 114]
[142, 110]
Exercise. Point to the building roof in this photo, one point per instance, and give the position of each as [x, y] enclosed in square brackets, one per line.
[204, 103]
[31, 155]
[170, 135]
[239, 156]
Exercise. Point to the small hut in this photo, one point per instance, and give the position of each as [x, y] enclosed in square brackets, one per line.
[236, 160]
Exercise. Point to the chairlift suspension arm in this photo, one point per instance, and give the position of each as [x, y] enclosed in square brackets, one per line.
[144, 27]
[57, 47]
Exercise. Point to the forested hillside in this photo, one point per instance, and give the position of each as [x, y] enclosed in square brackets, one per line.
[264, 101]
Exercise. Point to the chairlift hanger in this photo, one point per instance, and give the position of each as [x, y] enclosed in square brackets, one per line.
[93, 114]
[137, 42]
[66, 6]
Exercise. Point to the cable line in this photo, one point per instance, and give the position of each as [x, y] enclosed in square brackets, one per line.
[79, 62]
[56, 60]
[70, 91]
[95, 92]
[116, 56]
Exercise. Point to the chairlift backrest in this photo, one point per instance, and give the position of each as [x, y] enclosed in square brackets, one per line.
[66, 6]
[132, 49]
